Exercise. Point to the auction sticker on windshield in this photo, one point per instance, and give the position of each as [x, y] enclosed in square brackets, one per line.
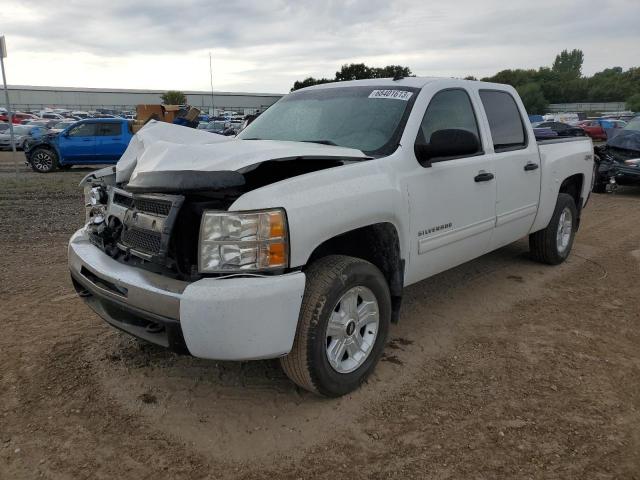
[393, 94]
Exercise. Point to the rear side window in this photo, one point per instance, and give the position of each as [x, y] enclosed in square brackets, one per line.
[109, 129]
[505, 122]
[448, 109]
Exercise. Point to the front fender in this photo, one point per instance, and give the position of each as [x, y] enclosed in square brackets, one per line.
[42, 143]
[324, 204]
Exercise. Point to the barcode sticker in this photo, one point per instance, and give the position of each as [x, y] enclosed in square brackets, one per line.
[392, 94]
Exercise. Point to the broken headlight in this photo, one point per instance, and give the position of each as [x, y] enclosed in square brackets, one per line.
[243, 241]
[95, 203]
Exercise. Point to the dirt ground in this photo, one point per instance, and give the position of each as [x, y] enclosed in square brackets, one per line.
[500, 369]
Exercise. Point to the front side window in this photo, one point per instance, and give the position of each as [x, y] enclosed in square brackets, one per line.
[448, 109]
[370, 119]
[83, 130]
[505, 122]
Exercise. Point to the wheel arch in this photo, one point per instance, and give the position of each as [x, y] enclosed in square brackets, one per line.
[573, 186]
[377, 243]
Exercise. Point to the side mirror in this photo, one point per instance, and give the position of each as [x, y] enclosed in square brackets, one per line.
[451, 142]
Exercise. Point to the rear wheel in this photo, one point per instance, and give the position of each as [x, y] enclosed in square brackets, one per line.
[553, 244]
[343, 326]
[43, 160]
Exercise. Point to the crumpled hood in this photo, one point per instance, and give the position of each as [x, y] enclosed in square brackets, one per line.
[160, 146]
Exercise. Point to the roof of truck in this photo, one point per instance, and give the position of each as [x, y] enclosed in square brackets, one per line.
[415, 82]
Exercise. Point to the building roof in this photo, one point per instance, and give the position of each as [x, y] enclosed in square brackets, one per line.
[134, 91]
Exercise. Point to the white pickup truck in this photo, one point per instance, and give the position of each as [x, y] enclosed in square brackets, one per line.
[295, 238]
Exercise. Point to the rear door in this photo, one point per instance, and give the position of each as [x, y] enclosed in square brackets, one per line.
[111, 141]
[78, 144]
[452, 202]
[517, 163]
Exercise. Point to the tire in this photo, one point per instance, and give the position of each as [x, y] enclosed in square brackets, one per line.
[332, 282]
[43, 160]
[552, 246]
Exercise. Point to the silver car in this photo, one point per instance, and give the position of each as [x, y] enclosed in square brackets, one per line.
[22, 135]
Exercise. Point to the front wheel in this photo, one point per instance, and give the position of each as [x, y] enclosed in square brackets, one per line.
[43, 160]
[553, 244]
[343, 326]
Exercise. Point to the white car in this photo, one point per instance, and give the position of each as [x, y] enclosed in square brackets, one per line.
[295, 239]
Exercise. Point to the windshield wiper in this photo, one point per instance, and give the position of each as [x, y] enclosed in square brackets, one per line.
[321, 142]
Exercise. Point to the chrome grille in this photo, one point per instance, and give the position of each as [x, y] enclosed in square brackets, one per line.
[122, 200]
[142, 240]
[152, 206]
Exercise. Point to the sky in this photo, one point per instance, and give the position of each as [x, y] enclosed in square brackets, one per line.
[265, 45]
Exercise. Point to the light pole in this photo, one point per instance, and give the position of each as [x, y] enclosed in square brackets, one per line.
[3, 54]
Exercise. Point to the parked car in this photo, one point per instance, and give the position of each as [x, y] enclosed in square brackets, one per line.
[85, 142]
[597, 128]
[48, 124]
[562, 129]
[618, 161]
[17, 117]
[295, 239]
[544, 133]
[22, 135]
[51, 116]
[216, 126]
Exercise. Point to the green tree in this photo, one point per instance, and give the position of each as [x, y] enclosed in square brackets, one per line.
[357, 71]
[391, 71]
[569, 63]
[307, 82]
[533, 98]
[633, 103]
[354, 71]
[174, 97]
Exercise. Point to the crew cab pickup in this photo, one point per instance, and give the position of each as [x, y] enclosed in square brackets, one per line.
[91, 141]
[295, 238]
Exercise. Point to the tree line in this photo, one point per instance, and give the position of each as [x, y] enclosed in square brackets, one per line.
[562, 82]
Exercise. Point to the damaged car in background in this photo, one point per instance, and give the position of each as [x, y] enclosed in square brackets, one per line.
[295, 239]
[618, 161]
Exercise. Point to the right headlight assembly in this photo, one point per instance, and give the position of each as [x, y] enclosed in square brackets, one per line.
[243, 241]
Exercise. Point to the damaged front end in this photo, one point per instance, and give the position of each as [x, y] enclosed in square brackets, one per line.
[153, 221]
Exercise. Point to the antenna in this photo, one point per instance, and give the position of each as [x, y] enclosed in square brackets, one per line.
[213, 108]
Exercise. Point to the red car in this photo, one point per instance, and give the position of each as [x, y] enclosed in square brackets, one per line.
[17, 117]
[596, 128]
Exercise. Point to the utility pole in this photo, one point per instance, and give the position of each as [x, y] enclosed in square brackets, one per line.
[213, 106]
[3, 54]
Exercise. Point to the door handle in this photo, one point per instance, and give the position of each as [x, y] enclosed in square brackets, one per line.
[483, 177]
[530, 166]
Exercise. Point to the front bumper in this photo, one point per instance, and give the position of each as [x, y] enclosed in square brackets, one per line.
[230, 318]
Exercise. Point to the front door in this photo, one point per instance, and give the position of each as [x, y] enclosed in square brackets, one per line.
[78, 144]
[452, 202]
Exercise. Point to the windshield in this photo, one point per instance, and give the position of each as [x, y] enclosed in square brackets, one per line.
[369, 119]
[634, 124]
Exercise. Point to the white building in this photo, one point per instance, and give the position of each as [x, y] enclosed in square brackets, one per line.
[32, 98]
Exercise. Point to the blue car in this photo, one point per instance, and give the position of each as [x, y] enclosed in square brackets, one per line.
[87, 142]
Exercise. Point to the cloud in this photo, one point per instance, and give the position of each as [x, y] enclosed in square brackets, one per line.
[265, 45]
